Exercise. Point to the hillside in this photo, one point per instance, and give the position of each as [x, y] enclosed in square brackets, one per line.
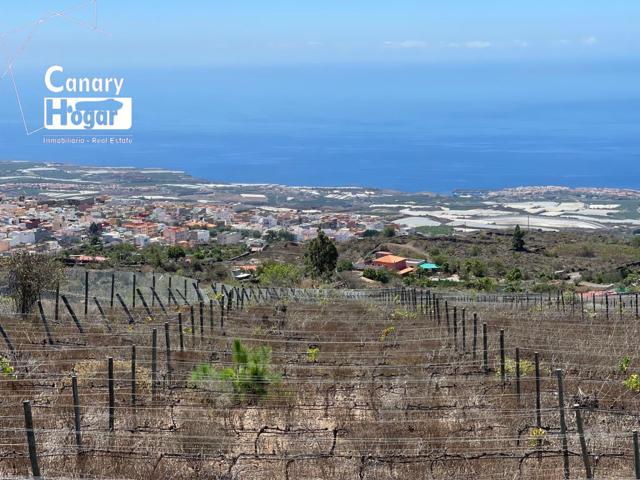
[373, 385]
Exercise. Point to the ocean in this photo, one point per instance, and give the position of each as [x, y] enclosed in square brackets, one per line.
[411, 127]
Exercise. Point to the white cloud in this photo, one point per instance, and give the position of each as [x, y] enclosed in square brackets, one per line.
[474, 44]
[521, 43]
[477, 44]
[315, 44]
[589, 41]
[406, 44]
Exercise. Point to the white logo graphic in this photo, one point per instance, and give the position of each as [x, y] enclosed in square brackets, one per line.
[111, 112]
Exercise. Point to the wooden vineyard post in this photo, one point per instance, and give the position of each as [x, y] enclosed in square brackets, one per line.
[446, 315]
[620, 305]
[112, 395]
[464, 331]
[193, 326]
[485, 349]
[86, 293]
[475, 335]
[133, 376]
[102, 315]
[197, 290]
[536, 360]
[7, 340]
[113, 289]
[155, 296]
[167, 339]
[31, 438]
[153, 289]
[56, 311]
[45, 323]
[636, 455]
[201, 312]
[124, 307]
[455, 328]
[180, 331]
[503, 372]
[144, 304]
[517, 376]
[222, 315]
[133, 293]
[154, 363]
[583, 443]
[211, 316]
[563, 425]
[76, 411]
[72, 313]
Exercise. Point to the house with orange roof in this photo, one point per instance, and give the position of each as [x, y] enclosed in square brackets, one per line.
[391, 262]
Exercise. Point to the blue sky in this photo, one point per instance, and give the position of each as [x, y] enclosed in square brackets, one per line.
[206, 32]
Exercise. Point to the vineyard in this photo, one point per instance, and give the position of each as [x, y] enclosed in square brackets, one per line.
[370, 384]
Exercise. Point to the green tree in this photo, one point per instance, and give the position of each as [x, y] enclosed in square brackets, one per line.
[389, 231]
[94, 229]
[123, 253]
[175, 252]
[154, 255]
[518, 239]
[28, 276]
[321, 256]
[280, 235]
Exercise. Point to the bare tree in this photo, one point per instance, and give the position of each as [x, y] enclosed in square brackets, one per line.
[28, 275]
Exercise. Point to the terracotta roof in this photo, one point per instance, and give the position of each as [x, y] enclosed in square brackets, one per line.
[406, 270]
[390, 259]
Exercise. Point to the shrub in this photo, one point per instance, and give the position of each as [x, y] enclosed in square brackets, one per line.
[537, 437]
[526, 367]
[250, 376]
[279, 274]
[377, 274]
[514, 275]
[632, 383]
[386, 332]
[623, 365]
[344, 266]
[475, 267]
[312, 354]
[6, 369]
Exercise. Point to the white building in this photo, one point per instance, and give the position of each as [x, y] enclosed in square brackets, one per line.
[229, 238]
[22, 237]
[202, 237]
[141, 240]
